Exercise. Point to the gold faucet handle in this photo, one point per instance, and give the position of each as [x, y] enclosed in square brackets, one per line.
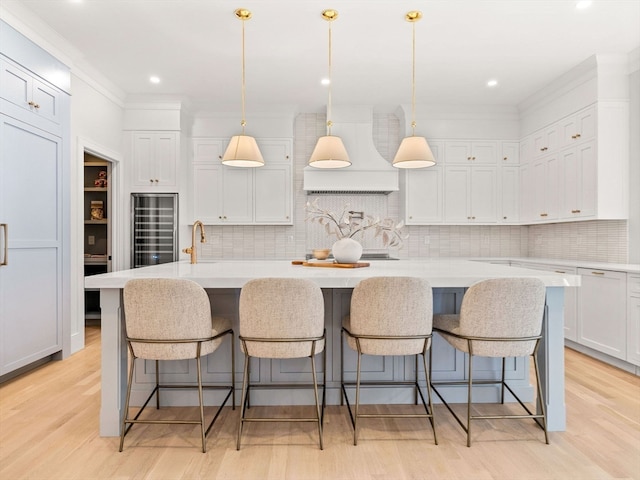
[188, 250]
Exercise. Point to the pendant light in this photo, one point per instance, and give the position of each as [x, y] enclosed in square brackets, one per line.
[329, 151]
[414, 152]
[243, 150]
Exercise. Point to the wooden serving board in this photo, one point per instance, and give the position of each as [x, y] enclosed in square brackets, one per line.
[330, 264]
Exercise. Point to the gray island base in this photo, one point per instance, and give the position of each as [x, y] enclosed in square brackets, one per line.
[223, 280]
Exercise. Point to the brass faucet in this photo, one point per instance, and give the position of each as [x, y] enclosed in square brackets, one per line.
[192, 249]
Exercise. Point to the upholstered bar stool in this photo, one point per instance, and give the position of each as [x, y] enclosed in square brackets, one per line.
[389, 316]
[498, 318]
[170, 319]
[282, 318]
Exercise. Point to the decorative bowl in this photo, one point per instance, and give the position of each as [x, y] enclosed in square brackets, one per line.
[321, 253]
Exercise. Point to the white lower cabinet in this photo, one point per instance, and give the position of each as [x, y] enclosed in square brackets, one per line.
[602, 311]
[633, 319]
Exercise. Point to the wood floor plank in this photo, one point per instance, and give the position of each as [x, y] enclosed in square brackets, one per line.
[49, 430]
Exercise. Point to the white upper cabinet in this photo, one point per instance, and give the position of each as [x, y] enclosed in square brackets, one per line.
[470, 194]
[422, 191]
[155, 161]
[471, 152]
[544, 177]
[545, 141]
[509, 194]
[578, 181]
[26, 91]
[225, 195]
[510, 153]
[578, 128]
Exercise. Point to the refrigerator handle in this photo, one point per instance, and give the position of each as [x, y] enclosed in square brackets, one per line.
[5, 255]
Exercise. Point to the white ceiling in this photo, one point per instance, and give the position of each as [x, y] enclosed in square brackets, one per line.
[194, 46]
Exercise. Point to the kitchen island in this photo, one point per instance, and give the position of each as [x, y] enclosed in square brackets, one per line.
[223, 280]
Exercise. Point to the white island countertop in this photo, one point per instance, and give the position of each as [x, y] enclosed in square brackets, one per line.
[440, 272]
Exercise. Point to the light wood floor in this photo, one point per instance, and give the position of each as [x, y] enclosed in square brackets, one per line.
[49, 430]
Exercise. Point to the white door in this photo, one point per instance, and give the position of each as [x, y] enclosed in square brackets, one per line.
[31, 281]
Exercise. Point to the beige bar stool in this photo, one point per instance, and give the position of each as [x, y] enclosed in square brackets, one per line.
[498, 318]
[389, 316]
[170, 319]
[282, 318]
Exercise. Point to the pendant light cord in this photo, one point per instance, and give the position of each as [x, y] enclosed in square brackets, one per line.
[243, 121]
[329, 123]
[413, 82]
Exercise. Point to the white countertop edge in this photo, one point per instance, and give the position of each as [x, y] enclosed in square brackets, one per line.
[615, 267]
[440, 272]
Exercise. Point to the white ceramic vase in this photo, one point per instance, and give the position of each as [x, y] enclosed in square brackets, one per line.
[346, 250]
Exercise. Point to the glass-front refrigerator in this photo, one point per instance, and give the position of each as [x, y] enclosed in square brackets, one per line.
[154, 228]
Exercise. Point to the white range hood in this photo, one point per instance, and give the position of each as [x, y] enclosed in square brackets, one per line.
[369, 172]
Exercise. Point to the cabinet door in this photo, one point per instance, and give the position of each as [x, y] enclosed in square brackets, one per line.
[155, 158]
[509, 194]
[528, 210]
[31, 282]
[602, 311]
[457, 151]
[457, 192]
[578, 128]
[633, 319]
[484, 152]
[26, 91]
[143, 151]
[273, 194]
[545, 177]
[275, 150]
[237, 195]
[526, 150]
[510, 153]
[484, 194]
[579, 182]
[545, 141]
[423, 196]
[465, 152]
[207, 193]
[166, 157]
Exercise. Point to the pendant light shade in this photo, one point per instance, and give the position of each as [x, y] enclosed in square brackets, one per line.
[243, 150]
[414, 152]
[329, 151]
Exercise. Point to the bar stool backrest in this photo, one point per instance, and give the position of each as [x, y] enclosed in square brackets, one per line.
[503, 308]
[281, 309]
[167, 309]
[393, 306]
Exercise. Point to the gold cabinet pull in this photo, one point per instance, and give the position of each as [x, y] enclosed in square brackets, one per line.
[544, 214]
[5, 258]
[560, 271]
[597, 273]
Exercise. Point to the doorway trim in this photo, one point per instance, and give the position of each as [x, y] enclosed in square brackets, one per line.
[85, 145]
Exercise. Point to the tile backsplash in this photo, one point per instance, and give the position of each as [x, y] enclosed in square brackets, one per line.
[601, 241]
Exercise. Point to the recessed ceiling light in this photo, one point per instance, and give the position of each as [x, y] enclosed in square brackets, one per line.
[582, 4]
[325, 81]
[492, 83]
[76, 1]
[154, 79]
